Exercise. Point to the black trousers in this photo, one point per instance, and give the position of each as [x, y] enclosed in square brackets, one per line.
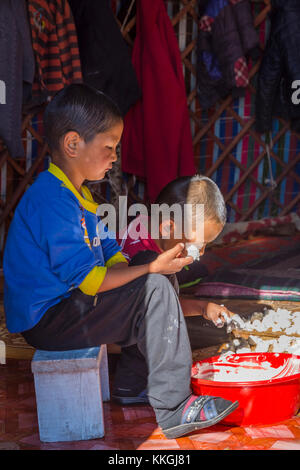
[145, 315]
[132, 371]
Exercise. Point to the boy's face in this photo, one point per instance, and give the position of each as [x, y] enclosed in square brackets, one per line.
[210, 232]
[94, 158]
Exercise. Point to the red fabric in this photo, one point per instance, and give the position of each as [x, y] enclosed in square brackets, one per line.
[241, 73]
[131, 244]
[205, 23]
[157, 142]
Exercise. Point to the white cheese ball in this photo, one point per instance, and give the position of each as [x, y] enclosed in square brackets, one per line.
[192, 251]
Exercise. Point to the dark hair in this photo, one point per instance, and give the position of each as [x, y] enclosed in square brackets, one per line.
[195, 190]
[81, 108]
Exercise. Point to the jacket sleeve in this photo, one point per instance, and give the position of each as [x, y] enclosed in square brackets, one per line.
[245, 23]
[228, 49]
[268, 82]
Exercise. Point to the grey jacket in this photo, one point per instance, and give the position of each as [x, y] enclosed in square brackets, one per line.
[16, 71]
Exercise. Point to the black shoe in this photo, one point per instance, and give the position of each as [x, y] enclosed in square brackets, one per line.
[127, 397]
[215, 409]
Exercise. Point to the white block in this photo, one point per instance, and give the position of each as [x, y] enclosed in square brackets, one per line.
[68, 387]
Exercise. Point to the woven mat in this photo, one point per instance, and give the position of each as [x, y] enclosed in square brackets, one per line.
[15, 345]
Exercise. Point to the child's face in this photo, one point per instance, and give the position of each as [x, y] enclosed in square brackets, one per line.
[96, 157]
[211, 230]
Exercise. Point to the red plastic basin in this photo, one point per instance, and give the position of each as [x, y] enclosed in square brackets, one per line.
[260, 402]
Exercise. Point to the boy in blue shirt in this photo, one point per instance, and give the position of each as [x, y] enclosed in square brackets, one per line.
[68, 287]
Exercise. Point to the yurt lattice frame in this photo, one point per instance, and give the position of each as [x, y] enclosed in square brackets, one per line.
[19, 173]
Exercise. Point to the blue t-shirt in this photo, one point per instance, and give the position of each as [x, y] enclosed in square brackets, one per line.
[53, 246]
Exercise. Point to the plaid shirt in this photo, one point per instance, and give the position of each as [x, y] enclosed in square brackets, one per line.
[54, 42]
[241, 73]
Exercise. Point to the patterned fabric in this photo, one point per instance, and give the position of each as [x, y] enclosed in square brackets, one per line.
[281, 225]
[241, 72]
[229, 290]
[54, 42]
[252, 269]
[205, 23]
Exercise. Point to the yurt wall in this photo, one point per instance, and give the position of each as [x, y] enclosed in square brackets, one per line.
[255, 183]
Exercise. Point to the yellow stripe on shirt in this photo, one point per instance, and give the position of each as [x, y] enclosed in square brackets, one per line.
[88, 204]
[116, 258]
[92, 282]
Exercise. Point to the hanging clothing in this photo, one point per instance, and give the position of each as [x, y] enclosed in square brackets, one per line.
[280, 67]
[157, 143]
[105, 58]
[16, 72]
[54, 41]
[226, 36]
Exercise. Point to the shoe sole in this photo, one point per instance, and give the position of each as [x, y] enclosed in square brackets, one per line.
[130, 400]
[182, 429]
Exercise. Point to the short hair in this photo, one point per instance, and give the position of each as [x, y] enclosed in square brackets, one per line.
[81, 108]
[195, 190]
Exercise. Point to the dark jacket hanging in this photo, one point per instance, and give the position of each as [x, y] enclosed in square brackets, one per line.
[226, 36]
[16, 71]
[280, 68]
[105, 58]
[157, 142]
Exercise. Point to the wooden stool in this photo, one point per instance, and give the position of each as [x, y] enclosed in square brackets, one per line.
[70, 387]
